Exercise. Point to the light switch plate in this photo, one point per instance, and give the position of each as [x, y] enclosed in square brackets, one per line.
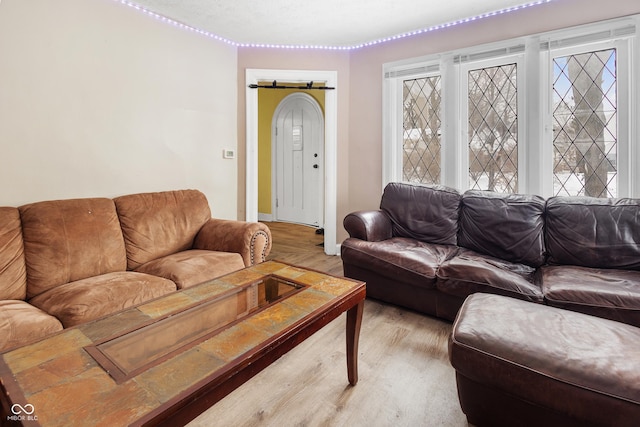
[228, 153]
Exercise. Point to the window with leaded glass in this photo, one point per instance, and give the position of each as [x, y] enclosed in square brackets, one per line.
[548, 114]
[585, 124]
[493, 129]
[421, 130]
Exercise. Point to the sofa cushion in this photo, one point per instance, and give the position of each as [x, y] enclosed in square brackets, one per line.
[505, 226]
[22, 323]
[69, 240]
[470, 272]
[160, 224]
[425, 213]
[13, 273]
[398, 258]
[88, 299]
[188, 268]
[612, 294]
[592, 232]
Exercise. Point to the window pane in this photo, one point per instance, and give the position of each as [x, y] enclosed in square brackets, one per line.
[421, 140]
[585, 124]
[493, 129]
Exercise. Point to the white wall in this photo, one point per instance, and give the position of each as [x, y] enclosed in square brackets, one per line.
[98, 99]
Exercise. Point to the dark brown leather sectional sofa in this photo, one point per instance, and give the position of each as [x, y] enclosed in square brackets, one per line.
[429, 248]
[545, 295]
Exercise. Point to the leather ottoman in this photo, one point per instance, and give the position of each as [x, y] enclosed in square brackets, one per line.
[524, 364]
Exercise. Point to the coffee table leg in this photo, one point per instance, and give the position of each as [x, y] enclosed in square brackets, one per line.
[354, 320]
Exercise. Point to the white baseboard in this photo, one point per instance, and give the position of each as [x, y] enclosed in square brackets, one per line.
[338, 249]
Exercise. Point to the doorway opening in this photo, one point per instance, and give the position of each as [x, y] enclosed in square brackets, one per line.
[329, 78]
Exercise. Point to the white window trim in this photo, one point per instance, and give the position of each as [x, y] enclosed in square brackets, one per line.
[535, 129]
[392, 105]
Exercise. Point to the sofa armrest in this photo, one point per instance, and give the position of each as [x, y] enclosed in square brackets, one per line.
[372, 226]
[252, 240]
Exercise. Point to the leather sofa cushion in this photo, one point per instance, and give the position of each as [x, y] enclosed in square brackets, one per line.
[505, 226]
[22, 323]
[612, 294]
[88, 299]
[160, 224]
[470, 272]
[188, 268]
[13, 273]
[425, 213]
[69, 240]
[578, 365]
[398, 258]
[591, 232]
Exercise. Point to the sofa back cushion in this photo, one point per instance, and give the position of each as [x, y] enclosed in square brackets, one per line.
[159, 224]
[425, 213]
[13, 273]
[68, 240]
[505, 226]
[593, 232]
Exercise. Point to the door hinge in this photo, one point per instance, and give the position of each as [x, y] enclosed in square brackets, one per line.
[276, 203]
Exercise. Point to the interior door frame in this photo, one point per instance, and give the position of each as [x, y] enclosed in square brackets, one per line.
[329, 78]
[274, 149]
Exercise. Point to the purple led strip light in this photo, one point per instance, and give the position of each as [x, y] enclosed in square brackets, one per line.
[367, 44]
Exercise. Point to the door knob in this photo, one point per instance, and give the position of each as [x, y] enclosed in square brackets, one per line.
[315, 166]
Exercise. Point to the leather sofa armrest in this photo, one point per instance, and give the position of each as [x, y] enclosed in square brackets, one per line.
[372, 226]
[252, 240]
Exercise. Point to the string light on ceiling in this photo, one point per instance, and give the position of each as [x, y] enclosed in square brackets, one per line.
[170, 21]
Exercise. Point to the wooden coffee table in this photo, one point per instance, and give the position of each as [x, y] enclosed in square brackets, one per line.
[167, 360]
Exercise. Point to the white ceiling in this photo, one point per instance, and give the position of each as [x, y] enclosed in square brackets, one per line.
[339, 23]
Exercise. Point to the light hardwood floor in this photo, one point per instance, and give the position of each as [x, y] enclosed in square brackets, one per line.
[300, 245]
[404, 371]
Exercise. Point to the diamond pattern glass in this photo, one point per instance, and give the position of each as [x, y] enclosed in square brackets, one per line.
[421, 130]
[493, 129]
[585, 124]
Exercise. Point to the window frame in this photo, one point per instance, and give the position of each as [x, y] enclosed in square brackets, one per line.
[465, 68]
[393, 115]
[401, 153]
[623, 106]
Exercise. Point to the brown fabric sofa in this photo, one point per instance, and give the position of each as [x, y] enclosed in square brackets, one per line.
[66, 262]
[429, 248]
[19, 321]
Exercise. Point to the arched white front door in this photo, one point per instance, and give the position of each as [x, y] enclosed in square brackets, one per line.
[298, 165]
